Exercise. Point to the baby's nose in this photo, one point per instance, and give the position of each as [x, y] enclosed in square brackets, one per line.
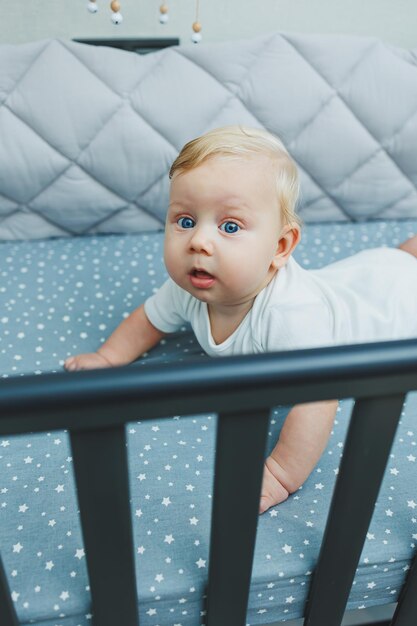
[201, 241]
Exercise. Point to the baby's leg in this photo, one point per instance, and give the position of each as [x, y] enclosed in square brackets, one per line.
[410, 246]
[302, 440]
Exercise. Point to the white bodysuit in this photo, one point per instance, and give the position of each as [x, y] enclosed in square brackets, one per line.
[370, 296]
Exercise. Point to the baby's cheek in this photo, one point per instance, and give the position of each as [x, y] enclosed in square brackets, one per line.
[173, 262]
[168, 250]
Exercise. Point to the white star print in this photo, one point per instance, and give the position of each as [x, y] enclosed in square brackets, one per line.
[17, 548]
[200, 563]
[287, 549]
[166, 501]
[79, 553]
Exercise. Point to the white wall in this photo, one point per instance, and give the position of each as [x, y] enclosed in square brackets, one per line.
[394, 21]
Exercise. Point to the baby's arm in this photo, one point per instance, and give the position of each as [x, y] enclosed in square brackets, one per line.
[133, 337]
[302, 441]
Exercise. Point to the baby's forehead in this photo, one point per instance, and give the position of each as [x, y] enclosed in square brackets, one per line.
[253, 160]
[233, 182]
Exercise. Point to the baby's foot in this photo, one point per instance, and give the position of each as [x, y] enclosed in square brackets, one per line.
[273, 492]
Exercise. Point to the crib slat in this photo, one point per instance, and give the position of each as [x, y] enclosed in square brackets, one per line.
[8, 615]
[240, 452]
[372, 428]
[100, 465]
[406, 611]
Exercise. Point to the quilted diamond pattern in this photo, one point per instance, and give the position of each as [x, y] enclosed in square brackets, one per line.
[72, 110]
[88, 134]
[18, 143]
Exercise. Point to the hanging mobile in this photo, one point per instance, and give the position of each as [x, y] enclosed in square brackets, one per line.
[163, 13]
[196, 36]
[116, 17]
[92, 6]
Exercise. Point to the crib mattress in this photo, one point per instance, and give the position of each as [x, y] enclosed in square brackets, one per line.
[63, 296]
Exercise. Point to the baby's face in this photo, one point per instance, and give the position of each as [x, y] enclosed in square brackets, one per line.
[222, 230]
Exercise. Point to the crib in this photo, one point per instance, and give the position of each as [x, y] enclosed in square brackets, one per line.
[167, 533]
[243, 392]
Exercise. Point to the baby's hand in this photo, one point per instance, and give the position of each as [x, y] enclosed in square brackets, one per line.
[90, 361]
[273, 492]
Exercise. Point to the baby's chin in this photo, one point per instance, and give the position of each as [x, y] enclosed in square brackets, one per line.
[212, 295]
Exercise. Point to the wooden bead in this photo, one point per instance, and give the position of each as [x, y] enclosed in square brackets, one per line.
[115, 6]
[163, 9]
[196, 27]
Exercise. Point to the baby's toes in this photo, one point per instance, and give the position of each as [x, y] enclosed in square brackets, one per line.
[272, 492]
[265, 503]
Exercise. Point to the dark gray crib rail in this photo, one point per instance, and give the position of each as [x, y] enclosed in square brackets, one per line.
[95, 405]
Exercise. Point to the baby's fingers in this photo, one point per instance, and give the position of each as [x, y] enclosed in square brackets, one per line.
[71, 364]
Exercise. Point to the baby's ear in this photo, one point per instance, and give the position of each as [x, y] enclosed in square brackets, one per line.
[287, 242]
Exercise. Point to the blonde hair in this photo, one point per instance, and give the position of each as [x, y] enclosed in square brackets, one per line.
[241, 142]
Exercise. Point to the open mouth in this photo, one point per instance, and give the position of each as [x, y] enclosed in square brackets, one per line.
[201, 274]
[201, 279]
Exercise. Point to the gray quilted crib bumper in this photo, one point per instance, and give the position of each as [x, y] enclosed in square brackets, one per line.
[87, 136]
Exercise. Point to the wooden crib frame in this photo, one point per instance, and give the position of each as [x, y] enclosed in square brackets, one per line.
[95, 405]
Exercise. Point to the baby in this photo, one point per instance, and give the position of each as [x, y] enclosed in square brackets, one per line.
[231, 229]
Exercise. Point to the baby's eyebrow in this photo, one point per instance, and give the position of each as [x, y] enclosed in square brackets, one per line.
[233, 208]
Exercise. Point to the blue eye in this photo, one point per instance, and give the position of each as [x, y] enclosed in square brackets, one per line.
[186, 222]
[230, 227]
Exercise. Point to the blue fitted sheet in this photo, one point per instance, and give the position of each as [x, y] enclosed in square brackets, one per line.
[64, 296]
